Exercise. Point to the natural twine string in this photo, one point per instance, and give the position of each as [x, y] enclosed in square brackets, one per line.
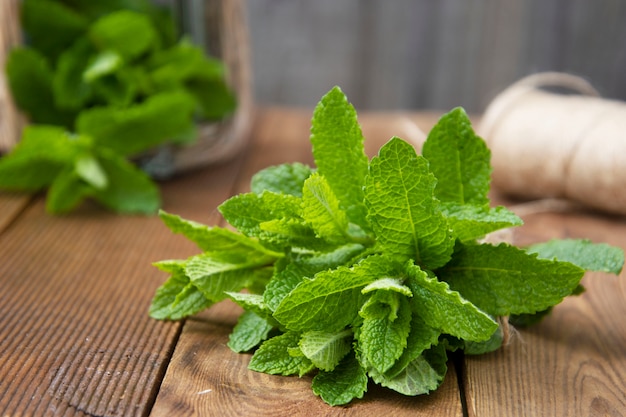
[548, 145]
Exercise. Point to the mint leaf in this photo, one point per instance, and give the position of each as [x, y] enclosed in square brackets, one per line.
[251, 329]
[331, 300]
[459, 160]
[253, 303]
[139, 127]
[177, 298]
[583, 253]
[66, 192]
[526, 320]
[321, 210]
[388, 284]
[444, 309]
[401, 208]
[503, 280]
[71, 90]
[88, 169]
[292, 233]
[421, 337]
[174, 66]
[469, 222]
[215, 277]
[339, 154]
[344, 383]
[285, 178]
[40, 156]
[299, 267]
[420, 376]
[51, 26]
[247, 212]
[273, 357]
[102, 64]
[128, 190]
[324, 349]
[478, 348]
[128, 33]
[386, 325]
[219, 242]
[30, 80]
[214, 97]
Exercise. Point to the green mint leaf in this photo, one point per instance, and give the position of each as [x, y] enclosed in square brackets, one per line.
[214, 98]
[388, 284]
[469, 222]
[124, 87]
[583, 253]
[103, 63]
[293, 233]
[250, 330]
[51, 26]
[66, 192]
[383, 334]
[331, 300]
[326, 349]
[526, 320]
[215, 277]
[421, 337]
[490, 345]
[420, 376]
[128, 190]
[139, 127]
[30, 80]
[403, 213]
[339, 154]
[174, 66]
[177, 298]
[447, 310]
[344, 383]
[503, 280]
[253, 303]
[39, 157]
[273, 357]
[459, 159]
[247, 212]
[128, 33]
[71, 91]
[298, 267]
[219, 242]
[285, 179]
[321, 210]
[88, 169]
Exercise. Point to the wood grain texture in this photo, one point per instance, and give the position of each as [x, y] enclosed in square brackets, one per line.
[11, 205]
[574, 362]
[75, 336]
[206, 378]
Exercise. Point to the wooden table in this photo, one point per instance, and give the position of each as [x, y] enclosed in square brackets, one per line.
[76, 339]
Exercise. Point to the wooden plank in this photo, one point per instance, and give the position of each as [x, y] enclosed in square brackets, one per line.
[75, 336]
[11, 205]
[574, 362]
[206, 378]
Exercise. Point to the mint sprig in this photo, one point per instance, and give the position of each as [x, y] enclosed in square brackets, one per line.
[360, 270]
[114, 74]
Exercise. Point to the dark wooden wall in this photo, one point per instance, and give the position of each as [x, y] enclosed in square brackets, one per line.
[437, 54]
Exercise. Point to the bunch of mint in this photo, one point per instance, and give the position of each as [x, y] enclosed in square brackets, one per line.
[103, 81]
[361, 270]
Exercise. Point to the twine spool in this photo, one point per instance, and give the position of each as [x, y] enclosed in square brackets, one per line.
[549, 145]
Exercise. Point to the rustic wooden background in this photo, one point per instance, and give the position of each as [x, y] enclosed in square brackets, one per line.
[430, 53]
